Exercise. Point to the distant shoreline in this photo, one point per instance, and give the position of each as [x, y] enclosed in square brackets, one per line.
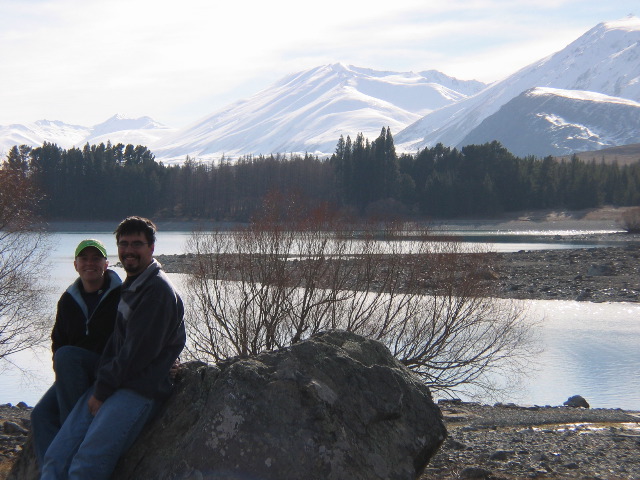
[603, 274]
[602, 218]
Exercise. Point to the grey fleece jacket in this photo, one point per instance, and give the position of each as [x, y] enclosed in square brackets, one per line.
[148, 336]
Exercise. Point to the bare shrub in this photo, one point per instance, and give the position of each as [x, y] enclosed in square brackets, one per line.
[22, 255]
[273, 284]
[630, 220]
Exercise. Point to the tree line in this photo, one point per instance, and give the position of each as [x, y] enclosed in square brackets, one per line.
[362, 177]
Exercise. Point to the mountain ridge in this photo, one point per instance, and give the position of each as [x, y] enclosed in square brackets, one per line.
[116, 129]
[592, 72]
[308, 111]
[549, 121]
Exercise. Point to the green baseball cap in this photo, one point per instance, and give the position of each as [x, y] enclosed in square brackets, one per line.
[91, 243]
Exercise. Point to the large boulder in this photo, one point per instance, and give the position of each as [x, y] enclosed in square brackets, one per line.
[576, 401]
[336, 406]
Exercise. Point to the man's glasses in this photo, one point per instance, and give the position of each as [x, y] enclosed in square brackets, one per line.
[135, 244]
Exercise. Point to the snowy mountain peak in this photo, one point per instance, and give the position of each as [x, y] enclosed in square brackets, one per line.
[121, 129]
[339, 67]
[117, 129]
[36, 133]
[606, 59]
[120, 122]
[47, 124]
[552, 121]
[308, 111]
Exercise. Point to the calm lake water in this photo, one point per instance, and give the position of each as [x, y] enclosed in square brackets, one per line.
[589, 349]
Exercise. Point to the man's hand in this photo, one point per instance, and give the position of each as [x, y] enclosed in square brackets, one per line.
[94, 405]
[173, 371]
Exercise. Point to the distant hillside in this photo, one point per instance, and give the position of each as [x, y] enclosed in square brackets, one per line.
[550, 121]
[624, 155]
[604, 60]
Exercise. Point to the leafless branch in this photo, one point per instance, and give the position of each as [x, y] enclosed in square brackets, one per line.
[275, 283]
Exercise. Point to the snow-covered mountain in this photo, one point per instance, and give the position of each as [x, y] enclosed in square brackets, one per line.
[605, 60]
[309, 110]
[36, 133]
[541, 109]
[548, 121]
[117, 129]
[136, 131]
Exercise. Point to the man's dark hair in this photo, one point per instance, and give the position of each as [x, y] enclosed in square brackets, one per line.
[133, 225]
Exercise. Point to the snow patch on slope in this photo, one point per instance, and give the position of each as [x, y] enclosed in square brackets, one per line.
[549, 121]
[581, 95]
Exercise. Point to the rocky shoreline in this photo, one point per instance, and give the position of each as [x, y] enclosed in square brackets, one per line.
[15, 424]
[503, 441]
[604, 274]
[512, 442]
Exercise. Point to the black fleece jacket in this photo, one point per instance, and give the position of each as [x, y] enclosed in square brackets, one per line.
[74, 326]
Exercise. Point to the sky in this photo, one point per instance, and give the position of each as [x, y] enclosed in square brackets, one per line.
[82, 62]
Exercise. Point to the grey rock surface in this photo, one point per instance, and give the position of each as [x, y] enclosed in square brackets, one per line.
[337, 406]
[576, 401]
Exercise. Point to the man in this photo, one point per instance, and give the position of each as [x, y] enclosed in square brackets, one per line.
[133, 377]
[84, 321]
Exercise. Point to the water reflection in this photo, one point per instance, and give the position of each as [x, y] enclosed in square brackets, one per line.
[589, 349]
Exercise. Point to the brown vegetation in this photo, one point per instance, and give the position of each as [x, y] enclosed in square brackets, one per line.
[622, 155]
[22, 253]
[630, 220]
[293, 279]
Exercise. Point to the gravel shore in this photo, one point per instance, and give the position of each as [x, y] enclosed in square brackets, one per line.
[607, 274]
[604, 274]
[511, 442]
[15, 424]
[484, 442]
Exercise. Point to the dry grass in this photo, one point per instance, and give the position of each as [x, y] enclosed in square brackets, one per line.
[624, 155]
[630, 220]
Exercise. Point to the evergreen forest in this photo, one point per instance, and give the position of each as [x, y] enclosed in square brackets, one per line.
[362, 178]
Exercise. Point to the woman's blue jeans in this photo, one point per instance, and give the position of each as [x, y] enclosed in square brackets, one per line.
[88, 446]
[75, 373]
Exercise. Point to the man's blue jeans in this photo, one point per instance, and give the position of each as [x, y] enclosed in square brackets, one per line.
[75, 373]
[88, 446]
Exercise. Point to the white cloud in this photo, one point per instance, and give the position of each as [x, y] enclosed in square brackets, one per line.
[81, 61]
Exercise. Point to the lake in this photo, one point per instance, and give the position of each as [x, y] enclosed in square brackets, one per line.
[589, 349]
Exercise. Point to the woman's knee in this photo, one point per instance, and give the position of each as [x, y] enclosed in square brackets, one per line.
[65, 355]
[72, 356]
